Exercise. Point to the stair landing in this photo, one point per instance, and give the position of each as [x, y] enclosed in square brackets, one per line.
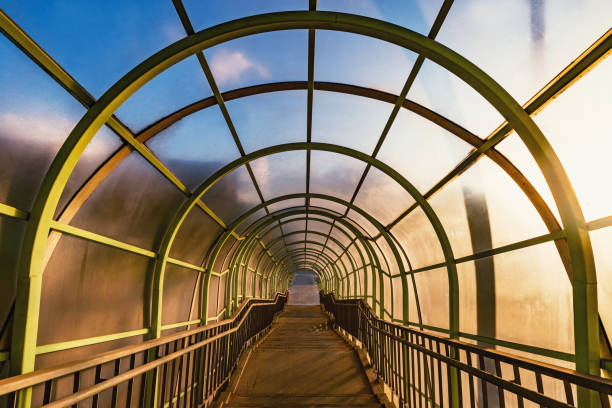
[301, 364]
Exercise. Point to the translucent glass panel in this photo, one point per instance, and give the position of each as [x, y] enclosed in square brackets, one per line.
[281, 174]
[318, 226]
[99, 149]
[413, 14]
[286, 205]
[577, 126]
[485, 207]
[537, 42]
[418, 238]
[327, 204]
[133, 204]
[260, 58]
[194, 238]
[357, 218]
[530, 286]
[235, 188]
[250, 221]
[293, 226]
[397, 299]
[446, 94]
[601, 240]
[213, 295]
[179, 284]
[178, 86]
[269, 119]
[98, 42]
[36, 116]
[432, 289]
[360, 60]
[382, 197]
[348, 120]
[387, 252]
[388, 300]
[515, 150]
[196, 146]
[79, 280]
[334, 174]
[207, 14]
[9, 253]
[420, 150]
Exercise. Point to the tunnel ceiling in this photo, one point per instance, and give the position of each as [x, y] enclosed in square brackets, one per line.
[444, 161]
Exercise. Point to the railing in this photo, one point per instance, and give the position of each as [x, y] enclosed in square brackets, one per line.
[427, 370]
[181, 370]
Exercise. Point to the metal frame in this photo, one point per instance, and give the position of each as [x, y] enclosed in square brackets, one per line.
[575, 228]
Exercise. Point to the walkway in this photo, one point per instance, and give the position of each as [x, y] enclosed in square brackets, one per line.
[301, 365]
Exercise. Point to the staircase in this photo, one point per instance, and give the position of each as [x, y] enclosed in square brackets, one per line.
[301, 364]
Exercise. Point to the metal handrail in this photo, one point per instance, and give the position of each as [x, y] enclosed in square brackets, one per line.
[229, 337]
[418, 365]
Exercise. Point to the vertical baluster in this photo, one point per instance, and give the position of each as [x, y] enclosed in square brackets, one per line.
[128, 398]
[180, 380]
[539, 384]
[432, 375]
[500, 390]
[413, 383]
[47, 393]
[449, 389]
[114, 391]
[75, 384]
[188, 375]
[419, 372]
[440, 387]
[483, 383]
[470, 379]
[97, 379]
[164, 376]
[517, 380]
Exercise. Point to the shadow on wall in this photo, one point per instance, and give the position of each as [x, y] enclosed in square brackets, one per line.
[304, 289]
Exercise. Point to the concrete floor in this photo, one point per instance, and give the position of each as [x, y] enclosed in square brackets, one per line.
[301, 364]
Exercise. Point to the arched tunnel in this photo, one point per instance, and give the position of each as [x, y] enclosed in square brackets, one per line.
[431, 173]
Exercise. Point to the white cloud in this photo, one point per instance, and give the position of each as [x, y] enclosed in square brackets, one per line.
[229, 66]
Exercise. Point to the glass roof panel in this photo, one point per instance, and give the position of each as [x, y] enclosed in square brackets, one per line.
[497, 211]
[600, 240]
[441, 91]
[260, 58]
[178, 86]
[348, 120]
[194, 238]
[526, 278]
[232, 195]
[382, 197]
[432, 289]
[536, 38]
[360, 60]
[318, 226]
[414, 14]
[420, 150]
[179, 283]
[363, 222]
[419, 240]
[36, 116]
[133, 204]
[293, 202]
[269, 119]
[334, 174]
[250, 220]
[317, 238]
[98, 42]
[294, 225]
[582, 138]
[99, 149]
[515, 150]
[281, 174]
[210, 13]
[196, 146]
[328, 205]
